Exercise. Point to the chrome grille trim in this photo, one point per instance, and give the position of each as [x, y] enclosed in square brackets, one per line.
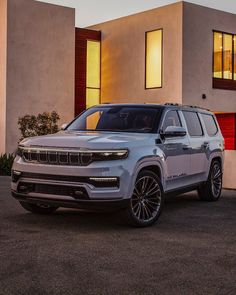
[65, 156]
[51, 157]
[69, 150]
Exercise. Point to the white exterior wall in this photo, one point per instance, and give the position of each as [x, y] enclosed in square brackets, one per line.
[123, 56]
[198, 25]
[229, 180]
[40, 63]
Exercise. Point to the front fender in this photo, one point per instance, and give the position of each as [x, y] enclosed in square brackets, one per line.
[145, 162]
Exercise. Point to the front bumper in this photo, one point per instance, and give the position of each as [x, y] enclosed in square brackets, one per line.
[68, 186]
[79, 204]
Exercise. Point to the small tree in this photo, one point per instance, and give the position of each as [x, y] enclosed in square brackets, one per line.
[6, 161]
[43, 124]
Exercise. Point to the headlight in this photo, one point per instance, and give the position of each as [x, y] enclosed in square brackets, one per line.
[87, 158]
[110, 155]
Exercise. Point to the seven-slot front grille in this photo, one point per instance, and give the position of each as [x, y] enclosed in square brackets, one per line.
[56, 158]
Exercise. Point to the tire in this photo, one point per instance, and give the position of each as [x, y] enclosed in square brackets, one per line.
[210, 191]
[38, 209]
[144, 208]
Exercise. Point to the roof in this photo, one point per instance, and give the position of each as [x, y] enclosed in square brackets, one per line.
[167, 105]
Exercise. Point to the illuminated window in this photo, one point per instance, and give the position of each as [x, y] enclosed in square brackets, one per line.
[224, 61]
[93, 79]
[153, 59]
[218, 55]
[228, 56]
[234, 57]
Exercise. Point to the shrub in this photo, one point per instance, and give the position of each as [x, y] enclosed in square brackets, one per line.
[6, 161]
[43, 124]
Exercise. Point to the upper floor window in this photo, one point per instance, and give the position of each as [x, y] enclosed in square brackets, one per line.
[224, 61]
[153, 71]
[93, 73]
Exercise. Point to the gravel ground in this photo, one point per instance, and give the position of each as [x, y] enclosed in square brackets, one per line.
[192, 250]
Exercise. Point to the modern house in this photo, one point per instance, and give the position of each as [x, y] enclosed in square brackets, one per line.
[180, 53]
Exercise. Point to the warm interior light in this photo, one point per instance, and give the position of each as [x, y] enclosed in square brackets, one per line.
[93, 73]
[228, 57]
[154, 59]
[234, 57]
[218, 53]
[92, 97]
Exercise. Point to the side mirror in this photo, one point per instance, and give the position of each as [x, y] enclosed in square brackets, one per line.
[63, 126]
[173, 131]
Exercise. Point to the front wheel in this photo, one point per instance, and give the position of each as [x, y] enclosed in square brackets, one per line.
[147, 201]
[38, 208]
[211, 190]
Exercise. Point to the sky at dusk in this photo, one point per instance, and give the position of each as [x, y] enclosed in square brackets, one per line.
[89, 12]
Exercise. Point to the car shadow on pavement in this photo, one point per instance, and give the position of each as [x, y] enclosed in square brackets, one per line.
[72, 219]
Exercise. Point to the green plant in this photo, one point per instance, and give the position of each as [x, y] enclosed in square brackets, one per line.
[6, 161]
[42, 124]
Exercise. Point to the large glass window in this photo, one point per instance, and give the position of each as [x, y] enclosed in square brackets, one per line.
[93, 71]
[218, 55]
[154, 59]
[224, 62]
[234, 55]
[228, 56]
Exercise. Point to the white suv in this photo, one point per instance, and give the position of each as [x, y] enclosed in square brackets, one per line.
[122, 156]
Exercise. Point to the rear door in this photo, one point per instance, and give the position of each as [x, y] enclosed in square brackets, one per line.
[177, 153]
[198, 144]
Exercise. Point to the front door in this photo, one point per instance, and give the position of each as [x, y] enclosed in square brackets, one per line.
[177, 154]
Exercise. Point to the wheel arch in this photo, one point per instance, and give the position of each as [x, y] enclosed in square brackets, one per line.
[153, 168]
[152, 164]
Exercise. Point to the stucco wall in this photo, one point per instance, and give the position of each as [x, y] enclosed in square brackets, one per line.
[40, 62]
[199, 23]
[229, 168]
[3, 48]
[123, 56]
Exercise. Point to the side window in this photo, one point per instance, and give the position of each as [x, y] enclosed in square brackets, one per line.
[210, 124]
[193, 123]
[171, 119]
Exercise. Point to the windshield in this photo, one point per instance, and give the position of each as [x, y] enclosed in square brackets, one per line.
[117, 119]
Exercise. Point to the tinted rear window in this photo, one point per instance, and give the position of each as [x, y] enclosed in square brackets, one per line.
[210, 124]
[193, 123]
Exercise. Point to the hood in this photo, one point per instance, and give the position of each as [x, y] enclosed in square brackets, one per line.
[88, 140]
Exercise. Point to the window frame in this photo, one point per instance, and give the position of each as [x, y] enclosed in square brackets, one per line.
[224, 83]
[162, 56]
[200, 122]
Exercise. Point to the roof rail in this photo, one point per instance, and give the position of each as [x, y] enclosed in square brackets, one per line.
[196, 107]
[186, 106]
[172, 104]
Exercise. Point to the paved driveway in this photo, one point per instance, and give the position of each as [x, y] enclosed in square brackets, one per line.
[191, 251]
